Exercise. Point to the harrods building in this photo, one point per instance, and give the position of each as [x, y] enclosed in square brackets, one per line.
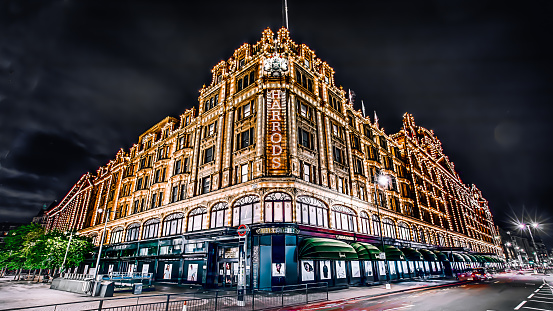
[276, 145]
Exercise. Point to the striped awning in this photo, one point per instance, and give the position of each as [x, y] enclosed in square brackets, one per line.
[412, 254]
[428, 255]
[325, 249]
[366, 251]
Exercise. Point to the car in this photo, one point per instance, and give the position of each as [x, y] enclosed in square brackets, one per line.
[478, 274]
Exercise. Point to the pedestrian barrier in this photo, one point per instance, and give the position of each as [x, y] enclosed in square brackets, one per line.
[259, 299]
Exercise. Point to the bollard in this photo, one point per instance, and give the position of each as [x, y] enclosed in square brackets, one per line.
[167, 305]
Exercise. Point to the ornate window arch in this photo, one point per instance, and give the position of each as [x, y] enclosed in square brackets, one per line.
[116, 235]
[311, 211]
[95, 238]
[196, 219]
[246, 210]
[403, 231]
[278, 207]
[415, 233]
[375, 224]
[344, 218]
[150, 229]
[365, 223]
[218, 215]
[133, 231]
[422, 235]
[388, 228]
[172, 224]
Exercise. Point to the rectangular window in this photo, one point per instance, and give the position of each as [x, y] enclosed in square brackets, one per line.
[206, 184]
[340, 184]
[185, 168]
[358, 167]
[211, 128]
[246, 110]
[174, 194]
[304, 111]
[307, 172]
[176, 169]
[337, 153]
[244, 172]
[208, 155]
[153, 203]
[182, 195]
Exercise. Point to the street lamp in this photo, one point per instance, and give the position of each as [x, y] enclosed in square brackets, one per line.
[382, 180]
[100, 211]
[535, 225]
[66, 251]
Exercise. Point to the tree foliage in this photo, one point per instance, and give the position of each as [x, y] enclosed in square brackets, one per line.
[30, 247]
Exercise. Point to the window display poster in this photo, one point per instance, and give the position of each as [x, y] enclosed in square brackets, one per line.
[434, 266]
[355, 272]
[307, 272]
[340, 269]
[368, 268]
[110, 269]
[381, 268]
[404, 264]
[145, 268]
[392, 266]
[411, 266]
[279, 269]
[426, 268]
[167, 271]
[85, 269]
[192, 272]
[132, 268]
[325, 269]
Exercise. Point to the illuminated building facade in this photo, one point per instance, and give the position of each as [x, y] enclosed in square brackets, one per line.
[276, 145]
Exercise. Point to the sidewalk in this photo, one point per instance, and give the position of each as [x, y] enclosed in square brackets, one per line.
[17, 294]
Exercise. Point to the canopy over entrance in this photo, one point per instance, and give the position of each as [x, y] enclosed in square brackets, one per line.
[325, 249]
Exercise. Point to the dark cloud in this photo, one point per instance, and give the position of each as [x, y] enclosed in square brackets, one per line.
[81, 79]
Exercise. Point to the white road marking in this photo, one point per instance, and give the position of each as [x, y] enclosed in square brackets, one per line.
[496, 282]
[402, 307]
[530, 296]
[540, 297]
[520, 305]
[535, 309]
[542, 301]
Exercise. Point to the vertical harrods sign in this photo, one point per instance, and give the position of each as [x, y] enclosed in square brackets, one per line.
[277, 153]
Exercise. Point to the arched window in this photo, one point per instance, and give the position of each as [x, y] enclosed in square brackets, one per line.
[422, 236]
[150, 229]
[196, 219]
[218, 215]
[278, 207]
[133, 230]
[365, 227]
[246, 210]
[388, 228]
[344, 218]
[440, 239]
[116, 235]
[311, 211]
[376, 224]
[415, 234]
[172, 224]
[95, 238]
[403, 231]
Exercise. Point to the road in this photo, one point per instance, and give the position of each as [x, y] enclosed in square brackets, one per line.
[504, 292]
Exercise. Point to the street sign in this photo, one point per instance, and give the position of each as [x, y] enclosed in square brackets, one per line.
[242, 230]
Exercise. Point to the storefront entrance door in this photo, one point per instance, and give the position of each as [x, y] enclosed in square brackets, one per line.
[227, 265]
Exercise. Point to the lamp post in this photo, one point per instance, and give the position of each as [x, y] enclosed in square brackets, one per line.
[523, 226]
[100, 211]
[66, 251]
[382, 180]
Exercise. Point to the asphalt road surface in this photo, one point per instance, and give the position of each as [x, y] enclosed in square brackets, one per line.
[504, 292]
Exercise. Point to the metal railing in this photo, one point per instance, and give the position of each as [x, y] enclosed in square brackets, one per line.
[259, 299]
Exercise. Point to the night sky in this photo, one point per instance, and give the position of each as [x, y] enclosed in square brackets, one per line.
[81, 79]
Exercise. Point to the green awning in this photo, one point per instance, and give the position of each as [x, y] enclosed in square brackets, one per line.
[320, 249]
[457, 258]
[467, 258]
[412, 254]
[428, 255]
[471, 258]
[392, 253]
[479, 258]
[441, 256]
[366, 251]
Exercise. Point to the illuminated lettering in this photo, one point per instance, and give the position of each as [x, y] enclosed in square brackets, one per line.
[275, 152]
[276, 115]
[276, 138]
[276, 163]
[276, 126]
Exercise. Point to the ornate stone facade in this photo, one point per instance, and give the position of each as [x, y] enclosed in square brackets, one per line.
[273, 121]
